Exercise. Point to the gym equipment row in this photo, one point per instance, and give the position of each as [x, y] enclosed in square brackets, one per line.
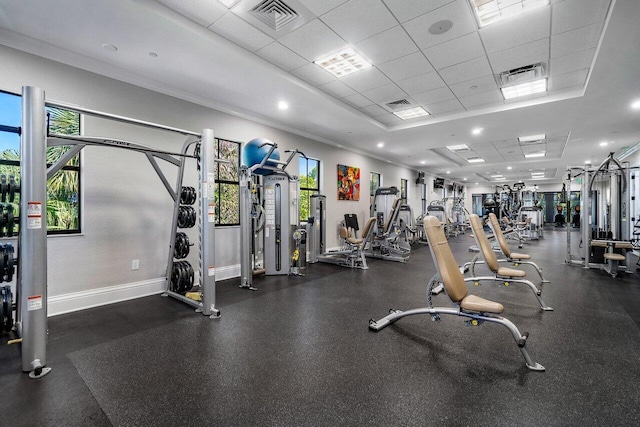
[477, 310]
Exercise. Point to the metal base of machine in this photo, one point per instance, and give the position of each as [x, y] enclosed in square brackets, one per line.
[39, 373]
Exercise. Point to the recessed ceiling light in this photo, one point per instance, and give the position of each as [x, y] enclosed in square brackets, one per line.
[343, 63]
[532, 138]
[509, 167]
[524, 89]
[475, 160]
[604, 144]
[477, 131]
[531, 155]
[587, 162]
[229, 3]
[282, 105]
[459, 147]
[476, 183]
[423, 162]
[636, 105]
[448, 171]
[380, 144]
[490, 11]
[411, 113]
[110, 47]
[464, 179]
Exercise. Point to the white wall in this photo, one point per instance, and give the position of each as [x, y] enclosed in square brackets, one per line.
[126, 209]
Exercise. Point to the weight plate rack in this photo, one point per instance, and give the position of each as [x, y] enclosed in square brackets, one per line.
[182, 273]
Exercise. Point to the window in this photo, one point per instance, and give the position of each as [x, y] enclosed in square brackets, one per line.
[309, 171]
[63, 189]
[374, 182]
[227, 182]
[403, 190]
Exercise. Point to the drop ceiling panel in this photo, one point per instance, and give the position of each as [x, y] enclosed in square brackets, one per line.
[520, 56]
[455, 51]
[458, 12]
[374, 110]
[337, 89]
[389, 119]
[475, 86]
[409, 9]
[313, 41]
[386, 46]
[282, 56]
[357, 100]
[422, 83]
[386, 93]
[241, 32]
[573, 41]
[571, 14]
[482, 99]
[364, 80]
[314, 74]
[564, 81]
[573, 62]
[357, 20]
[517, 31]
[407, 66]
[320, 7]
[434, 96]
[450, 106]
[203, 12]
[466, 71]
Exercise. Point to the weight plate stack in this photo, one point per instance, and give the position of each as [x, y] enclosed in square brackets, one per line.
[7, 252]
[188, 195]
[7, 308]
[182, 245]
[186, 217]
[182, 277]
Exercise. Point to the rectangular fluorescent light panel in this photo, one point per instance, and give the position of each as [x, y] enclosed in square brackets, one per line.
[532, 155]
[490, 11]
[532, 138]
[475, 160]
[524, 89]
[343, 63]
[459, 147]
[411, 113]
[497, 176]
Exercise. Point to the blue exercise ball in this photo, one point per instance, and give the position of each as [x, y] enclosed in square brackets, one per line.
[253, 153]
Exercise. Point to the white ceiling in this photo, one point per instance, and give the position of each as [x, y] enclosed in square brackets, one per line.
[229, 60]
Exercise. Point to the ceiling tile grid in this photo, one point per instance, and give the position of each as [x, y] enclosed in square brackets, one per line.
[444, 71]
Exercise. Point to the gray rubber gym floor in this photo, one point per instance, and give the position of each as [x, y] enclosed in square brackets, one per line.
[298, 352]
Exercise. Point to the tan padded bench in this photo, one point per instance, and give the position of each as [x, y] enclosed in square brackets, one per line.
[623, 245]
[599, 244]
[614, 257]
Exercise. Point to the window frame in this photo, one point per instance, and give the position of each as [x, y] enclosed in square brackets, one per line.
[220, 182]
[404, 190]
[77, 169]
[309, 190]
[372, 190]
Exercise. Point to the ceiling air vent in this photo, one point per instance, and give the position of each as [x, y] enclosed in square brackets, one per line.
[275, 13]
[522, 74]
[400, 104]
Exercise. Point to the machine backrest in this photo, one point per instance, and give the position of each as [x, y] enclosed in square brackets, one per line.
[392, 215]
[497, 231]
[368, 229]
[344, 232]
[444, 260]
[483, 243]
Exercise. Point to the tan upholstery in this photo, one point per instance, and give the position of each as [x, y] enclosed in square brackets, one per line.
[614, 257]
[367, 228]
[623, 245]
[344, 233]
[518, 257]
[495, 226]
[450, 274]
[484, 244]
[474, 303]
[452, 279]
[510, 272]
[599, 244]
[396, 202]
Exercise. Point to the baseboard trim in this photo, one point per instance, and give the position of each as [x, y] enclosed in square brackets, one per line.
[76, 301]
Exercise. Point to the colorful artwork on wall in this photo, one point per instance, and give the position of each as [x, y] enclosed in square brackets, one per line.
[348, 183]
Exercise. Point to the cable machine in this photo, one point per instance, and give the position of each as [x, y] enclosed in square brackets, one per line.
[31, 285]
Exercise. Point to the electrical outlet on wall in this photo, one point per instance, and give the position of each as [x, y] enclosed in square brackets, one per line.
[135, 264]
